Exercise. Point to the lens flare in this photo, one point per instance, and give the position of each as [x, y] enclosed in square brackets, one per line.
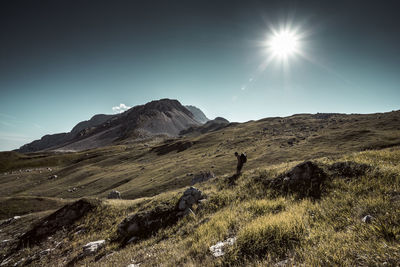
[284, 44]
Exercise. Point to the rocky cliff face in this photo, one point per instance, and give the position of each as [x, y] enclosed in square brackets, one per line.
[161, 117]
[198, 114]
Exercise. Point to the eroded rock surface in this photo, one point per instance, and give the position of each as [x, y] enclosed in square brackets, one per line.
[145, 223]
[60, 219]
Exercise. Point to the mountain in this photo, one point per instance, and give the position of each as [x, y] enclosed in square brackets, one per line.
[161, 117]
[197, 113]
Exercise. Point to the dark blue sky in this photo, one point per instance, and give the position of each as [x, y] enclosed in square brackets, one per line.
[61, 62]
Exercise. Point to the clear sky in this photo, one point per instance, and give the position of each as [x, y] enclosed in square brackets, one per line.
[62, 62]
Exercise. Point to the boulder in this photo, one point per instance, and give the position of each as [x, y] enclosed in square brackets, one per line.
[367, 219]
[92, 247]
[114, 194]
[304, 180]
[191, 196]
[218, 249]
[202, 177]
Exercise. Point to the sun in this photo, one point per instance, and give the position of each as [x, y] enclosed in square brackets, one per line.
[283, 44]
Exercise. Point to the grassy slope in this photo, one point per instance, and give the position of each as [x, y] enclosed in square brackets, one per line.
[326, 232]
[268, 228]
[136, 172]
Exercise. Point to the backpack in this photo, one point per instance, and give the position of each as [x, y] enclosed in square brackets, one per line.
[243, 158]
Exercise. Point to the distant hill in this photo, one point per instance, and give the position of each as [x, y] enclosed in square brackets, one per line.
[210, 126]
[162, 117]
[198, 114]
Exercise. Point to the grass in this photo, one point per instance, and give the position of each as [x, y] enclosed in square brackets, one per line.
[269, 227]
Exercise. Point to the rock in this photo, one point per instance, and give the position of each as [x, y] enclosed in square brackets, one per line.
[191, 196]
[114, 194]
[60, 219]
[53, 177]
[145, 223]
[133, 265]
[202, 177]
[218, 249]
[92, 247]
[304, 180]
[367, 219]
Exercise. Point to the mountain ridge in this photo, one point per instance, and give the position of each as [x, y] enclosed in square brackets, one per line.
[159, 117]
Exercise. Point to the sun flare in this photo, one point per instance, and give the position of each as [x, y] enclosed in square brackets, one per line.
[284, 44]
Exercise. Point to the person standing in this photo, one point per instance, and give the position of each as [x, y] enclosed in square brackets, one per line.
[242, 159]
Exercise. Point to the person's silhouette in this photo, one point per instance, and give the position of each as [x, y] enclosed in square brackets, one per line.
[242, 159]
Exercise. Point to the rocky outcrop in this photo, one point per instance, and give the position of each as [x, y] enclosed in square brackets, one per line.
[304, 180]
[144, 223]
[191, 196]
[92, 247]
[219, 249]
[197, 114]
[62, 218]
[114, 194]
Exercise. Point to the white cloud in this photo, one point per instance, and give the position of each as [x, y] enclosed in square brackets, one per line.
[121, 108]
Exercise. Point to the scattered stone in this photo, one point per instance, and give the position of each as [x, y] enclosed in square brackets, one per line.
[367, 219]
[304, 180]
[49, 169]
[133, 265]
[92, 247]
[53, 177]
[114, 194]
[202, 177]
[218, 249]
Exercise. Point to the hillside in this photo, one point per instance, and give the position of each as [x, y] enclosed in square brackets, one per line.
[136, 169]
[268, 222]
